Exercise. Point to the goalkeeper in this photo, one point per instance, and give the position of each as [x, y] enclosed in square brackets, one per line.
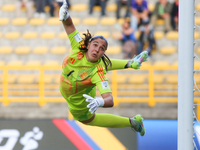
[84, 69]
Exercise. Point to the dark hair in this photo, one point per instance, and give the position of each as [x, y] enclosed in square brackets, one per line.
[88, 38]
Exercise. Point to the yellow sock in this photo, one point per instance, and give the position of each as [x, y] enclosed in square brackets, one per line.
[110, 121]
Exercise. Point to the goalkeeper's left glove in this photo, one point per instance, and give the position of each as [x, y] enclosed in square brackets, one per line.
[94, 103]
[136, 62]
[63, 12]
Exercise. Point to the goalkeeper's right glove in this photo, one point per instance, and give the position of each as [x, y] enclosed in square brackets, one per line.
[63, 12]
[136, 62]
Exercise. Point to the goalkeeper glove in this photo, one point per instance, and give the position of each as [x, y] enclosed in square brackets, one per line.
[136, 62]
[63, 12]
[94, 103]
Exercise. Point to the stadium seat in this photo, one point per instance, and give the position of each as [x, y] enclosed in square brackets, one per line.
[0, 35]
[12, 78]
[106, 34]
[30, 35]
[137, 34]
[90, 21]
[151, 7]
[197, 65]
[175, 64]
[22, 50]
[108, 21]
[8, 7]
[36, 21]
[158, 78]
[33, 63]
[2, 63]
[97, 8]
[111, 7]
[197, 20]
[197, 78]
[172, 35]
[121, 78]
[40, 50]
[137, 79]
[15, 63]
[172, 78]
[6, 49]
[196, 35]
[168, 50]
[198, 50]
[59, 50]
[47, 35]
[158, 35]
[56, 78]
[76, 20]
[146, 64]
[79, 7]
[12, 35]
[48, 78]
[51, 63]
[117, 35]
[19, 21]
[26, 79]
[114, 50]
[159, 22]
[4, 21]
[161, 63]
[63, 35]
[53, 21]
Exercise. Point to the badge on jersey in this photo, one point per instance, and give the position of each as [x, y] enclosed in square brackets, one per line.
[78, 38]
[105, 85]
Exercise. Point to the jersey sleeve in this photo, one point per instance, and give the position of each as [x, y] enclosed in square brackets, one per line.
[76, 40]
[100, 80]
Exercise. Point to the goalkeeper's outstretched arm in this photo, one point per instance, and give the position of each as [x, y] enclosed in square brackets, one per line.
[66, 19]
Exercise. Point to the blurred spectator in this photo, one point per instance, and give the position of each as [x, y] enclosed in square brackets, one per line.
[128, 39]
[40, 8]
[24, 4]
[101, 3]
[174, 15]
[140, 13]
[162, 11]
[54, 7]
[120, 4]
[146, 37]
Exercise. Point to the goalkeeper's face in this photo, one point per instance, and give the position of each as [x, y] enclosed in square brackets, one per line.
[96, 49]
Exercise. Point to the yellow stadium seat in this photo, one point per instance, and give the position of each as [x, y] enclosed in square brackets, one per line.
[108, 21]
[0, 35]
[158, 35]
[172, 35]
[56, 78]
[36, 21]
[53, 21]
[196, 35]
[117, 35]
[8, 7]
[122, 78]
[197, 6]
[2, 63]
[27, 79]
[33, 63]
[197, 78]
[51, 63]
[168, 50]
[47, 35]
[22, 50]
[172, 79]
[120, 21]
[6, 49]
[48, 78]
[197, 65]
[79, 7]
[111, 7]
[146, 64]
[198, 50]
[63, 35]
[19, 21]
[158, 78]
[30, 35]
[137, 34]
[15, 63]
[114, 50]
[161, 63]
[151, 7]
[159, 22]
[97, 8]
[106, 34]
[12, 35]
[175, 64]
[197, 20]
[137, 79]
[12, 78]
[59, 50]
[76, 20]
[90, 21]
[40, 50]
[4, 21]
